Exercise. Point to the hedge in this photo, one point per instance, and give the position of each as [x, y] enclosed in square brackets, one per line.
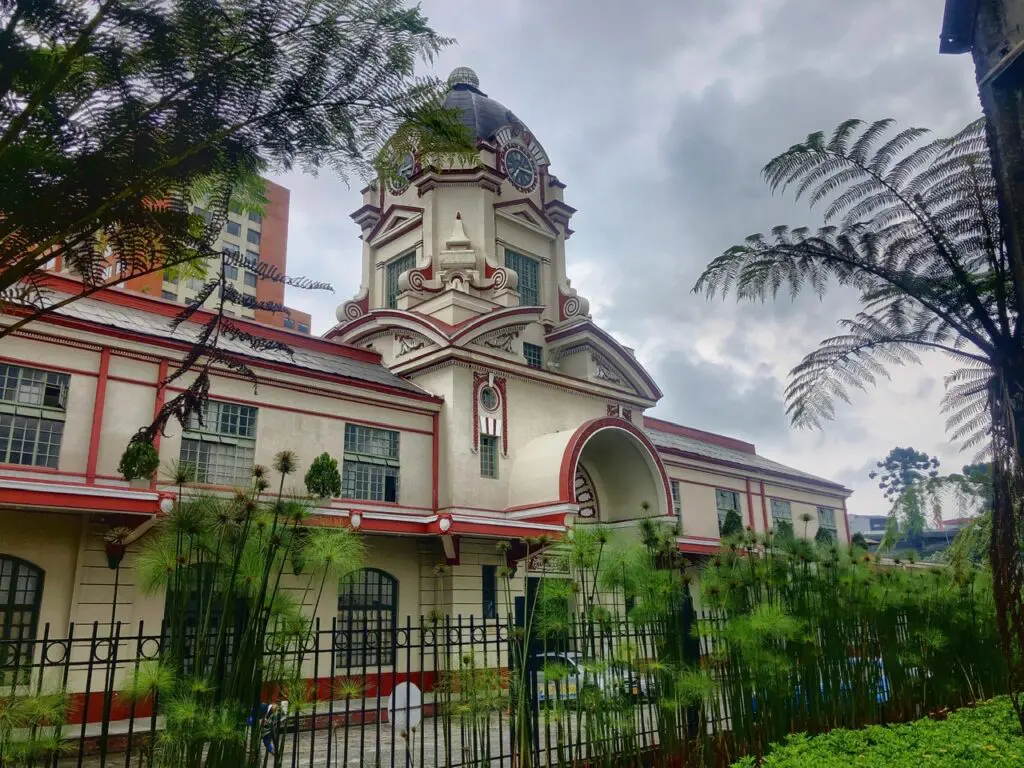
[984, 736]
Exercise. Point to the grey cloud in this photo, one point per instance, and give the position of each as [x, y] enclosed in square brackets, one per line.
[662, 160]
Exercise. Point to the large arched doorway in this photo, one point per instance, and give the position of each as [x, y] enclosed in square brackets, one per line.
[617, 475]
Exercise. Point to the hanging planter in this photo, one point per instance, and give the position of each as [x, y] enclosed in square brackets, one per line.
[139, 462]
[114, 545]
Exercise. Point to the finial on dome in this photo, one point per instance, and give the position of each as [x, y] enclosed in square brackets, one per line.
[463, 76]
[458, 238]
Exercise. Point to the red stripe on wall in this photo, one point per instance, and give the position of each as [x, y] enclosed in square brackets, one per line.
[97, 417]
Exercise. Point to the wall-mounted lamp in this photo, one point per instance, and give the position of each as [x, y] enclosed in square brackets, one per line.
[356, 520]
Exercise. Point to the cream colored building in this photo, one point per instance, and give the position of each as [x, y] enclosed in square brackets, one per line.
[466, 392]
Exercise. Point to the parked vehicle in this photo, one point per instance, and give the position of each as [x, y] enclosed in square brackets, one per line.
[607, 679]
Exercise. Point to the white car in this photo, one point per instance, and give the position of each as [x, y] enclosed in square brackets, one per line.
[567, 687]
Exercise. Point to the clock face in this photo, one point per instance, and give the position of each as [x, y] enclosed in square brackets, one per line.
[406, 170]
[520, 169]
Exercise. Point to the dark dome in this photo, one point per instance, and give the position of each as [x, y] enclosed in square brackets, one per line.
[483, 116]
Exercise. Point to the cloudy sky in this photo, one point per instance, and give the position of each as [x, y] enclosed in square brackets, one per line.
[659, 114]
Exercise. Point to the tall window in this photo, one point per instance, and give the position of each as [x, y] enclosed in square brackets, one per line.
[255, 217]
[677, 501]
[782, 512]
[194, 611]
[726, 501]
[367, 608]
[233, 228]
[534, 355]
[395, 268]
[21, 593]
[222, 449]
[529, 277]
[827, 520]
[370, 469]
[252, 236]
[488, 456]
[489, 574]
[32, 413]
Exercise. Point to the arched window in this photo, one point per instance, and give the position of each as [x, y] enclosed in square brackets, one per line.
[21, 594]
[367, 607]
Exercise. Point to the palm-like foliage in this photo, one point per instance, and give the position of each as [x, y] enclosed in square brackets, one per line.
[116, 115]
[913, 225]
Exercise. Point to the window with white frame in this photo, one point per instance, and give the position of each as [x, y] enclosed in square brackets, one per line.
[528, 270]
[726, 501]
[395, 268]
[488, 456]
[32, 413]
[827, 520]
[782, 512]
[677, 500]
[222, 448]
[370, 469]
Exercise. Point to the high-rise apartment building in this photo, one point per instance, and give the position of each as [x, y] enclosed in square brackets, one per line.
[257, 239]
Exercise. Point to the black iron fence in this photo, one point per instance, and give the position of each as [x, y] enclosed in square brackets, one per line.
[450, 692]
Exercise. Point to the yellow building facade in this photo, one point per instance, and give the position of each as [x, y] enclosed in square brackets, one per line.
[466, 392]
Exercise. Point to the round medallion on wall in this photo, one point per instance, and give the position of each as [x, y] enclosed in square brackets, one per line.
[520, 167]
[489, 399]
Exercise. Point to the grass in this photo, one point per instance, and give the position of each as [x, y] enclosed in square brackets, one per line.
[984, 736]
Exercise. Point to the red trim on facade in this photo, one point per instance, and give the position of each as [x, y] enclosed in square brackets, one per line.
[47, 366]
[158, 306]
[98, 405]
[583, 433]
[750, 506]
[659, 425]
[253, 361]
[764, 507]
[71, 499]
[563, 380]
[630, 361]
[698, 549]
[836, 490]
[435, 461]
[533, 207]
[721, 473]
[158, 403]
[289, 409]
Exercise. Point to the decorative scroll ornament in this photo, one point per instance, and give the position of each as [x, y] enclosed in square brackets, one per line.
[620, 411]
[570, 303]
[585, 495]
[355, 307]
[457, 268]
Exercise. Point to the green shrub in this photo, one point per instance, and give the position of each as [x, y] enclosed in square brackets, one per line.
[323, 479]
[980, 737]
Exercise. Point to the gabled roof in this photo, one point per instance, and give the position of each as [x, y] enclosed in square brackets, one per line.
[309, 353]
[675, 438]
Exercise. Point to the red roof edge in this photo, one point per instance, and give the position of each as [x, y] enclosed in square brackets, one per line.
[159, 306]
[660, 425]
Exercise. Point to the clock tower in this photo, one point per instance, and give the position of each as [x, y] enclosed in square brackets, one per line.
[457, 242]
[464, 292]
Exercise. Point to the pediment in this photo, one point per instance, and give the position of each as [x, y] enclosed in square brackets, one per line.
[584, 351]
[395, 221]
[525, 212]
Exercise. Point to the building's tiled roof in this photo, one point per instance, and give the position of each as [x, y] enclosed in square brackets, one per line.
[720, 453]
[151, 324]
